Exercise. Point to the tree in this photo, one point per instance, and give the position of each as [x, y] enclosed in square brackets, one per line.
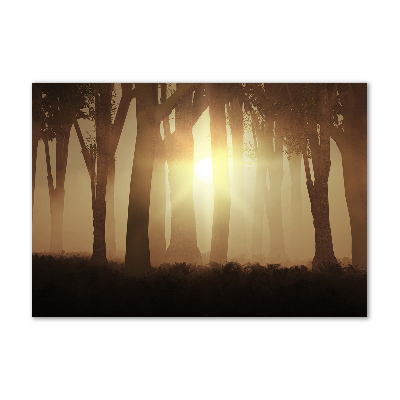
[157, 242]
[37, 117]
[149, 114]
[103, 97]
[350, 136]
[222, 199]
[237, 234]
[313, 108]
[52, 121]
[180, 153]
[98, 98]
[297, 245]
[116, 129]
[273, 196]
[259, 133]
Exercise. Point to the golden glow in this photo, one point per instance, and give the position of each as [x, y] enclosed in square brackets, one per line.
[203, 170]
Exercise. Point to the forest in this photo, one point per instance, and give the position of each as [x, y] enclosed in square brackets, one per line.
[208, 225]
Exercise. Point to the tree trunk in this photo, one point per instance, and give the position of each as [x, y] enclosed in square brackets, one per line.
[296, 208]
[103, 96]
[35, 143]
[274, 146]
[237, 235]
[57, 193]
[220, 165]
[158, 206]
[274, 206]
[57, 219]
[116, 130]
[148, 116]
[180, 145]
[352, 144]
[358, 134]
[137, 258]
[258, 211]
[323, 237]
[111, 245]
[318, 192]
[260, 189]
[358, 220]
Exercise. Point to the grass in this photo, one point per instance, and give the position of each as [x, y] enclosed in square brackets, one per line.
[71, 286]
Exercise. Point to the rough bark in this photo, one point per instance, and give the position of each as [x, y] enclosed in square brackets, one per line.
[237, 235]
[103, 96]
[220, 165]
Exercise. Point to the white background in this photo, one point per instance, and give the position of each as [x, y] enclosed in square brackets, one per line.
[314, 41]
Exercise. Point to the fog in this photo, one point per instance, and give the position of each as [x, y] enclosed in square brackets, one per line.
[78, 223]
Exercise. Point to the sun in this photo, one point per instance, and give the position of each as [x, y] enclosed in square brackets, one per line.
[203, 170]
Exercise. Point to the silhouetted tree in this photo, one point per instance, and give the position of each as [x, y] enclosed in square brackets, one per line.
[55, 123]
[37, 117]
[96, 154]
[116, 129]
[103, 97]
[350, 136]
[180, 153]
[296, 207]
[149, 114]
[273, 196]
[237, 234]
[259, 133]
[222, 199]
[313, 107]
[157, 242]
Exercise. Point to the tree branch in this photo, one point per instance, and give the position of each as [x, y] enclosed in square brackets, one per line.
[85, 151]
[309, 182]
[200, 103]
[127, 95]
[164, 109]
[50, 183]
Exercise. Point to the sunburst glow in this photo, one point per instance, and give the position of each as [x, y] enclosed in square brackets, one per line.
[203, 170]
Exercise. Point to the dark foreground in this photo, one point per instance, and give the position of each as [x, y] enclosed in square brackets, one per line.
[73, 287]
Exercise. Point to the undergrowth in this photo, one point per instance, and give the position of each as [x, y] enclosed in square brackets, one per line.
[71, 286]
